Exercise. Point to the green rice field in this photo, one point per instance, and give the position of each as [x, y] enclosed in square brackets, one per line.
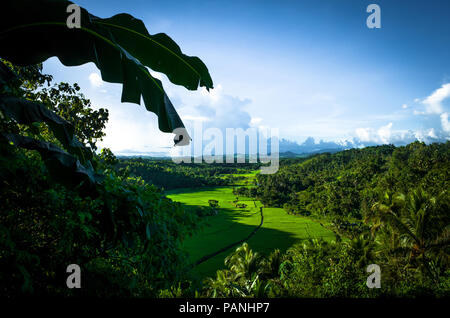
[231, 224]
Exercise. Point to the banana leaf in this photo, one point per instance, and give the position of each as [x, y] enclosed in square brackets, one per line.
[120, 46]
[27, 112]
[63, 167]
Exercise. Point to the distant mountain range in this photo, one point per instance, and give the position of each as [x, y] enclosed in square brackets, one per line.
[287, 148]
[309, 146]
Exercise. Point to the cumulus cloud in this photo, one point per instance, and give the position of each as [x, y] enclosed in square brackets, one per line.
[381, 135]
[404, 106]
[213, 95]
[216, 109]
[386, 135]
[95, 80]
[363, 134]
[445, 123]
[133, 132]
[229, 112]
[432, 133]
[433, 103]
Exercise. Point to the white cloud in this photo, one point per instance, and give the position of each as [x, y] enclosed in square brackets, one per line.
[214, 109]
[434, 106]
[363, 134]
[214, 95]
[433, 103]
[255, 120]
[384, 133]
[380, 136]
[137, 131]
[445, 123]
[95, 80]
[432, 133]
[404, 106]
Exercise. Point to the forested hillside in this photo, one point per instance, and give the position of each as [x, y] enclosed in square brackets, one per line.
[169, 175]
[388, 206]
[348, 183]
[64, 202]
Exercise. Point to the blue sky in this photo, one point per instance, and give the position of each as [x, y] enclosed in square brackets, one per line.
[309, 68]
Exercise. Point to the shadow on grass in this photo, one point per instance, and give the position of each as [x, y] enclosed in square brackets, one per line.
[194, 189]
[208, 249]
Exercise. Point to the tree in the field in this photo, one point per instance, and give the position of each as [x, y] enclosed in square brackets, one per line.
[213, 203]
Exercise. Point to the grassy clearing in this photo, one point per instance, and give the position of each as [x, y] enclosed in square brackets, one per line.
[232, 224]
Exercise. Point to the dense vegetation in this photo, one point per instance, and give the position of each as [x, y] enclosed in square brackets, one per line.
[348, 183]
[116, 234]
[390, 204]
[169, 175]
[62, 203]
[396, 197]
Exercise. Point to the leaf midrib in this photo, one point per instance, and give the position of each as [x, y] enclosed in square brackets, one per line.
[83, 29]
[150, 39]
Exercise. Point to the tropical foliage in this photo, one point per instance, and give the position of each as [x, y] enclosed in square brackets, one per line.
[120, 46]
[62, 203]
[391, 207]
[169, 175]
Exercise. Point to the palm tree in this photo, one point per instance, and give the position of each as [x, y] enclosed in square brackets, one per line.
[417, 226]
[243, 276]
[221, 285]
[244, 263]
[271, 266]
[362, 250]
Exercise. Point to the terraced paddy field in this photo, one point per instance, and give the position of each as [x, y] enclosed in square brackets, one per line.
[232, 224]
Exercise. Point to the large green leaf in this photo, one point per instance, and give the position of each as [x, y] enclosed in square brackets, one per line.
[121, 47]
[158, 51]
[62, 166]
[27, 112]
